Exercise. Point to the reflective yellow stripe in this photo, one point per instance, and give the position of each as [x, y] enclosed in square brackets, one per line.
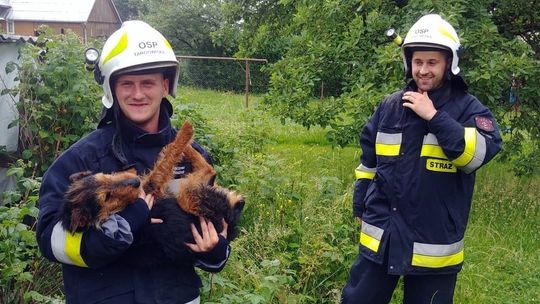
[73, 248]
[365, 172]
[167, 44]
[437, 261]
[119, 48]
[369, 242]
[431, 148]
[479, 154]
[433, 151]
[388, 144]
[370, 236]
[470, 148]
[437, 255]
[446, 33]
[387, 150]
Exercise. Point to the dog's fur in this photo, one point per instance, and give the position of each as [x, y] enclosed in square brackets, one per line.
[92, 198]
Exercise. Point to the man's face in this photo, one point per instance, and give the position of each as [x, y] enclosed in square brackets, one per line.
[428, 69]
[139, 98]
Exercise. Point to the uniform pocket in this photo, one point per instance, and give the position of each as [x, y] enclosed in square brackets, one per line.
[457, 214]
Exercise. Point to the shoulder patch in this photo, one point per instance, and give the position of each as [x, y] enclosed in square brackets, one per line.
[484, 123]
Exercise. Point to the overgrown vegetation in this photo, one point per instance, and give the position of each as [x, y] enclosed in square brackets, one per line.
[330, 62]
[57, 98]
[298, 238]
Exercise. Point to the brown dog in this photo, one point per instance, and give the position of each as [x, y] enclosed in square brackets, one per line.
[92, 198]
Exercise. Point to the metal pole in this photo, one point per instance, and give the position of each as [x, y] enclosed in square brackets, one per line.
[247, 83]
[220, 58]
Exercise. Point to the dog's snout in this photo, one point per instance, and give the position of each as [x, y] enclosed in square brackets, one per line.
[132, 182]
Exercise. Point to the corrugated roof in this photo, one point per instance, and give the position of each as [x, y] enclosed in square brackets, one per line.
[51, 10]
[17, 38]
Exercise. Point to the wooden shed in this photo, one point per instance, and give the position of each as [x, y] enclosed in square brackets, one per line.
[87, 18]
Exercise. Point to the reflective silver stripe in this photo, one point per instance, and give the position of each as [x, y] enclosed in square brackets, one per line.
[388, 138]
[370, 236]
[479, 154]
[387, 144]
[197, 300]
[436, 249]
[437, 256]
[58, 243]
[365, 172]
[373, 231]
[215, 266]
[431, 148]
[66, 246]
[431, 139]
[361, 167]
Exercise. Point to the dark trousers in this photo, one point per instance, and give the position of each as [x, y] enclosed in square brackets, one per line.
[369, 283]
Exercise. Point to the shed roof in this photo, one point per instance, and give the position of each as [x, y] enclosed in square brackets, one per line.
[6, 38]
[51, 10]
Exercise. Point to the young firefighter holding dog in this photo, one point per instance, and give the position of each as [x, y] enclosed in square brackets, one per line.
[420, 151]
[137, 69]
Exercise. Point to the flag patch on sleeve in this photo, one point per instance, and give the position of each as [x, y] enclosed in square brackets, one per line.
[484, 123]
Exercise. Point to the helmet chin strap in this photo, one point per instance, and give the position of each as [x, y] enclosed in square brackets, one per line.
[448, 75]
[116, 144]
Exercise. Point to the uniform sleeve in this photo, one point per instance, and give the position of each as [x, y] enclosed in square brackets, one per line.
[365, 172]
[471, 144]
[214, 260]
[92, 248]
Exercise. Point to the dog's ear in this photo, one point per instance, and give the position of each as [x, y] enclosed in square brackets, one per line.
[212, 180]
[79, 219]
[239, 206]
[79, 175]
[236, 208]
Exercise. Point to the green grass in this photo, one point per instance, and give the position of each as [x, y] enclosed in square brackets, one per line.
[298, 239]
[502, 241]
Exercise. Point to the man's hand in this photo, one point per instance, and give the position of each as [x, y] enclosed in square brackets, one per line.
[420, 104]
[149, 199]
[209, 238]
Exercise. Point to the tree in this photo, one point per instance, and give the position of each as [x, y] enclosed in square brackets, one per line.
[337, 64]
[131, 9]
[57, 102]
[189, 26]
[518, 18]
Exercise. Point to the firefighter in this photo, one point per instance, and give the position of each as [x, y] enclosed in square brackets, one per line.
[420, 151]
[138, 70]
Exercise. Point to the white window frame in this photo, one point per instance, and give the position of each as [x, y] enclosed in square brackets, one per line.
[10, 26]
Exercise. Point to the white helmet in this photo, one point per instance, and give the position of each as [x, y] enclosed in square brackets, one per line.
[136, 46]
[431, 31]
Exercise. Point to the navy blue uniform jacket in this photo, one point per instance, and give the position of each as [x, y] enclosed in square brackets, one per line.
[416, 178]
[95, 263]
